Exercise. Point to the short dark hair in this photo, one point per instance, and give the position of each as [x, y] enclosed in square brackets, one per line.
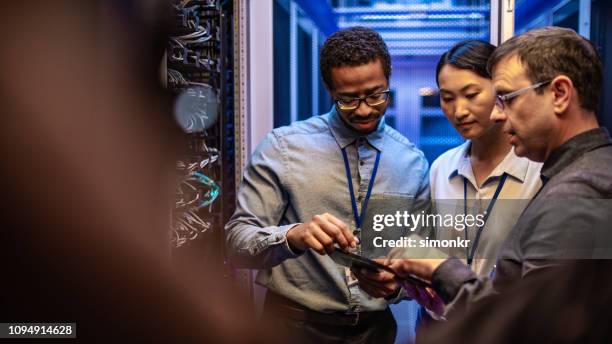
[354, 46]
[551, 51]
[471, 54]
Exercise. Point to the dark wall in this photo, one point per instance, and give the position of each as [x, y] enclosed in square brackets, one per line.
[282, 111]
[601, 35]
[304, 50]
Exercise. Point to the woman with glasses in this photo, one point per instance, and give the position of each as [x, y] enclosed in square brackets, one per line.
[482, 176]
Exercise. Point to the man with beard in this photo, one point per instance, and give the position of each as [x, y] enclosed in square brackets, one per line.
[306, 189]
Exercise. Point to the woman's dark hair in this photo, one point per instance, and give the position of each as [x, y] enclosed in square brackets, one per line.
[471, 54]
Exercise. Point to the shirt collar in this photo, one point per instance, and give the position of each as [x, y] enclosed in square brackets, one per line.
[572, 149]
[464, 168]
[346, 135]
[511, 164]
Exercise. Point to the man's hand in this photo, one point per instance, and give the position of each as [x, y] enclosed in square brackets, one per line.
[423, 268]
[320, 234]
[425, 297]
[377, 283]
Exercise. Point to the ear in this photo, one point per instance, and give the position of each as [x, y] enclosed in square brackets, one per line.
[563, 92]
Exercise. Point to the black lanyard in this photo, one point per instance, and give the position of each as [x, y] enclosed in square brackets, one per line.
[359, 217]
[500, 186]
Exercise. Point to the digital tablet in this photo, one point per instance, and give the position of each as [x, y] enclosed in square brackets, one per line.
[349, 259]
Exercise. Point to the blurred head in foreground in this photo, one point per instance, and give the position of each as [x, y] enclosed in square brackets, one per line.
[88, 149]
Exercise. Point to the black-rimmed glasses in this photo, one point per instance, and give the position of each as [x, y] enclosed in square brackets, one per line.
[374, 99]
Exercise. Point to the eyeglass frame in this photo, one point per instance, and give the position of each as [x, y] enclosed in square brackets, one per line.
[500, 100]
[364, 99]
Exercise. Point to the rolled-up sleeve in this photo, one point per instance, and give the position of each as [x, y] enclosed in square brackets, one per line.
[253, 237]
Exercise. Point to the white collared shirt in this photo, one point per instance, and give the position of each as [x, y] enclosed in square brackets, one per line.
[447, 191]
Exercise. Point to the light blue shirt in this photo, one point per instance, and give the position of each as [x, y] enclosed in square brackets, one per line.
[297, 172]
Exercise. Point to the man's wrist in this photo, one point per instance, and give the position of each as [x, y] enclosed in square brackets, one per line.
[296, 251]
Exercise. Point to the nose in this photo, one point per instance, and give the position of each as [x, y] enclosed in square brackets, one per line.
[497, 115]
[363, 110]
[461, 110]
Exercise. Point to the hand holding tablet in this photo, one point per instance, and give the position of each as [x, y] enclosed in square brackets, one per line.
[350, 259]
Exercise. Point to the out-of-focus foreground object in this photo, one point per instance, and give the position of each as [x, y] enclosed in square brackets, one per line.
[88, 149]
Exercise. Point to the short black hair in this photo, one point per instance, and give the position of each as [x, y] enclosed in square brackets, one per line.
[354, 46]
[552, 51]
[471, 54]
